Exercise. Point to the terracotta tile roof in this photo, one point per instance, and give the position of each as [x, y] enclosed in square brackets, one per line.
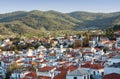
[87, 52]
[31, 57]
[47, 68]
[111, 76]
[73, 54]
[62, 75]
[7, 62]
[92, 66]
[38, 59]
[97, 49]
[111, 55]
[44, 77]
[72, 68]
[64, 70]
[61, 68]
[30, 75]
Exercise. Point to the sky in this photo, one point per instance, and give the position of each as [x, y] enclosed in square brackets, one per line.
[65, 6]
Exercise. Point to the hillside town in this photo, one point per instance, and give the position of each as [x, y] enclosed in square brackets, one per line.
[78, 56]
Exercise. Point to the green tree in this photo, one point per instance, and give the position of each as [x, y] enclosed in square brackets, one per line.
[77, 43]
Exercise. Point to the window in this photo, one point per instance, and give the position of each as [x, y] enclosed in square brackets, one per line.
[84, 77]
[93, 72]
[87, 76]
[102, 73]
[75, 78]
[98, 72]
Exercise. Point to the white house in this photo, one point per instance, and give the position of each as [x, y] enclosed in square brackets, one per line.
[15, 75]
[117, 42]
[23, 75]
[115, 59]
[78, 74]
[46, 71]
[41, 49]
[96, 70]
[114, 68]
[2, 73]
[92, 43]
[100, 52]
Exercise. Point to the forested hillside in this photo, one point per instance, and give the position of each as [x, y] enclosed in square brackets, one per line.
[36, 21]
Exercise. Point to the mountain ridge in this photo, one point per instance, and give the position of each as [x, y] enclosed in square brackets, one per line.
[36, 20]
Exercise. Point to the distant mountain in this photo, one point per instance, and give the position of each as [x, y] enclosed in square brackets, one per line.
[96, 20]
[36, 21]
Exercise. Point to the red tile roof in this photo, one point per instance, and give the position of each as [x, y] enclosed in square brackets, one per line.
[31, 57]
[111, 55]
[93, 66]
[97, 49]
[38, 59]
[62, 75]
[112, 76]
[44, 77]
[64, 70]
[47, 68]
[87, 52]
[61, 68]
[72, 68]
[30, 75]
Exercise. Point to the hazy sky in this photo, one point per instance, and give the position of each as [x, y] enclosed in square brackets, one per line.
[60, 5]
